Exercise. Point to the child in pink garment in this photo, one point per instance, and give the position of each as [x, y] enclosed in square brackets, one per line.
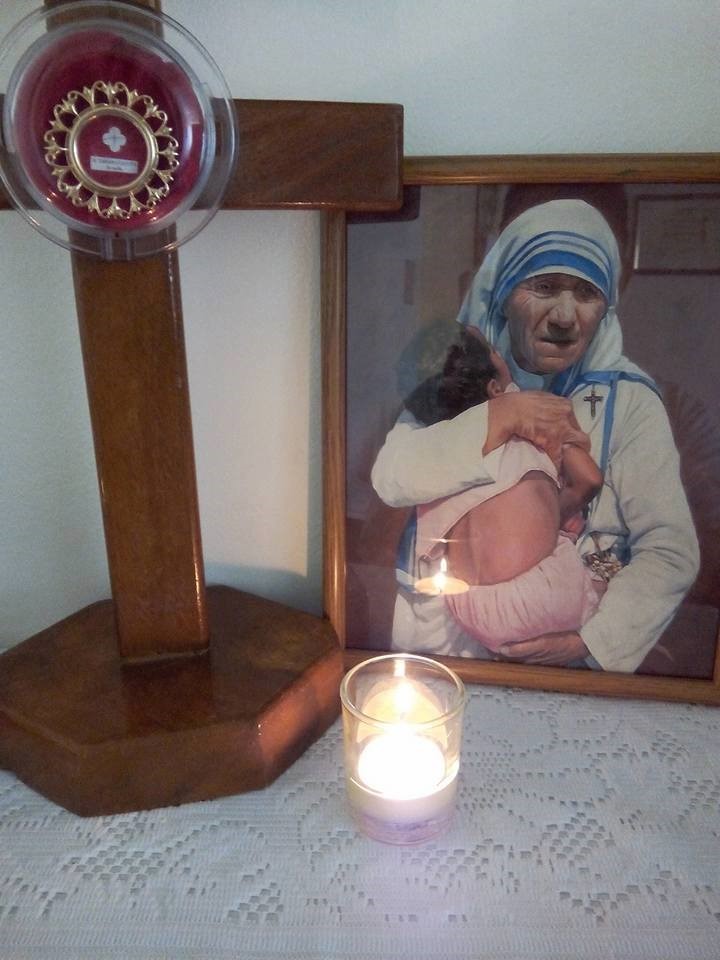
[512, 541]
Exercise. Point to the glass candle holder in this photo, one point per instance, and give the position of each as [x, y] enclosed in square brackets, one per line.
[402, 723]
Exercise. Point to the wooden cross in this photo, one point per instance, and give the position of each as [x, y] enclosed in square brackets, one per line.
[171, 691]
[593, 399]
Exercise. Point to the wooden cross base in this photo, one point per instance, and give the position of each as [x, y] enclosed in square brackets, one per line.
[101, 735]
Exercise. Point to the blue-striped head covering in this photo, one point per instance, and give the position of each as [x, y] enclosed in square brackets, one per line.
[562, 236]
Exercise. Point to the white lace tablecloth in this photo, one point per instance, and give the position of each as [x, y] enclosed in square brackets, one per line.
[586, 828]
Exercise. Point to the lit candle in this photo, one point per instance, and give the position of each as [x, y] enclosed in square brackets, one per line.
[401, 765]
[400, 699]
[402, 719]
[441, 583]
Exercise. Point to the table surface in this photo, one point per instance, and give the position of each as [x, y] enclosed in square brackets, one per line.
[585, 828]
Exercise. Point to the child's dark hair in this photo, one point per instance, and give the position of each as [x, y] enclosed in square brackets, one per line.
[462, 384]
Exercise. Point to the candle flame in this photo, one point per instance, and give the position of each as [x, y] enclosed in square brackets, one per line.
[440, 578]
[404, 698]
[402, 766]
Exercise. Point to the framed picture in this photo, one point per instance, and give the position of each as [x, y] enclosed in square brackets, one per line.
[590, 281]
[677, 232]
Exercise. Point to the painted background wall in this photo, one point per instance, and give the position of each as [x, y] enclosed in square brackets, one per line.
[492, 76]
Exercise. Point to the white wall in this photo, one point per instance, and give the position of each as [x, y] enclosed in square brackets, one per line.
[490, 76]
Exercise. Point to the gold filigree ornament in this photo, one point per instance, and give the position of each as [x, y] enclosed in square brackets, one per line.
[114, 114]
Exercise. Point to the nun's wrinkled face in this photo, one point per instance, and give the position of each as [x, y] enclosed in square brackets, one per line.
[551, 320]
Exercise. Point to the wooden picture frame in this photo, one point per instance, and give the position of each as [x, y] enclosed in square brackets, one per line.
[611, 182]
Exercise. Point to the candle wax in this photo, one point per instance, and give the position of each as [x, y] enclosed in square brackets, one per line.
[441, 585]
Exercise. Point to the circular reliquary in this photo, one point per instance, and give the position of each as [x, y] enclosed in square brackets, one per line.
[118, 135]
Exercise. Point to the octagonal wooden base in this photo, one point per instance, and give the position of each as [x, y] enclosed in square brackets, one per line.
[100, 735]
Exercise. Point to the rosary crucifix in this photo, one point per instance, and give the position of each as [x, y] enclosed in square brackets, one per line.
[593, 399]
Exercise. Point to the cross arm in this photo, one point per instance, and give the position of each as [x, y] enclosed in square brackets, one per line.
[314, 155]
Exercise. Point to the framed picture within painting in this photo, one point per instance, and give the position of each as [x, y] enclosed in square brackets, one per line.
[521, 442]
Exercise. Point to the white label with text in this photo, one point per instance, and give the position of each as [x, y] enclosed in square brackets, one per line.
[113, 165]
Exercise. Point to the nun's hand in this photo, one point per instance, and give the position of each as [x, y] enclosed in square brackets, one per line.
[542, 418]
[552, 649]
